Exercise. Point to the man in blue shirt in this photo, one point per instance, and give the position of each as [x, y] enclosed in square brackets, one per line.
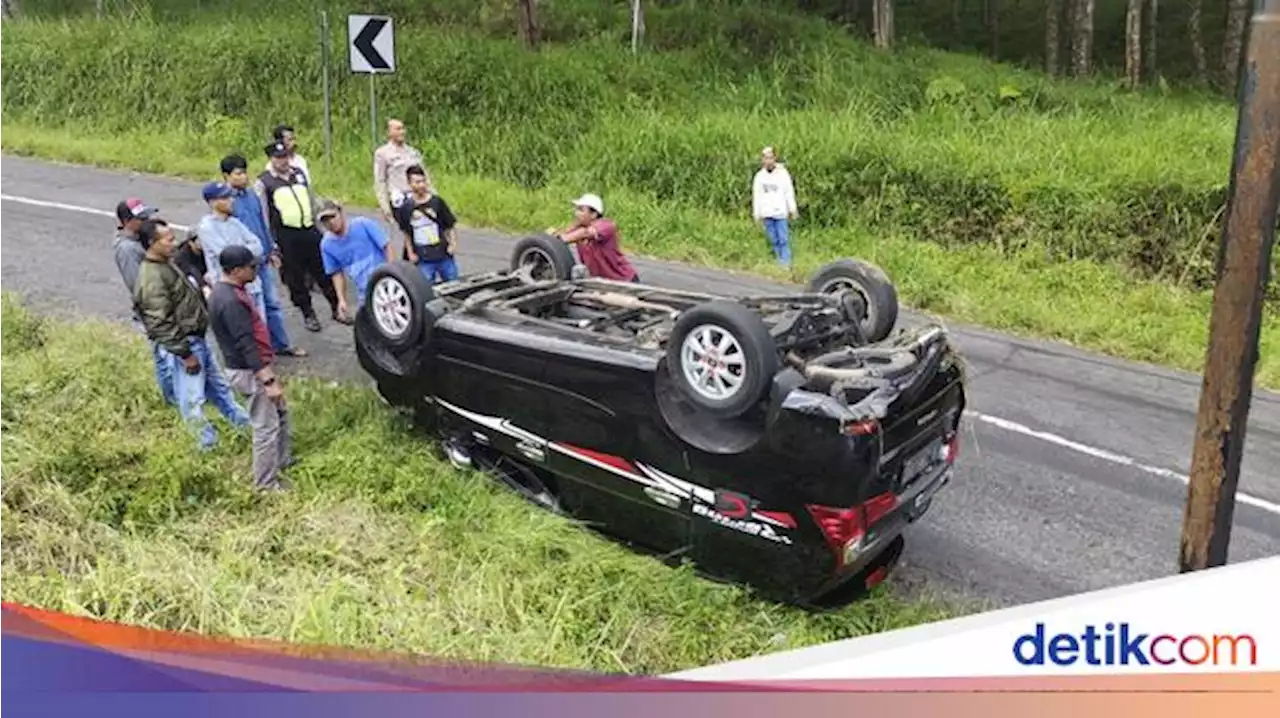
[247, 208]
[353, 247]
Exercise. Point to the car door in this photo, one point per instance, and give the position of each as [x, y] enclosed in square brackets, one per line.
[594, 410]
[495, 387]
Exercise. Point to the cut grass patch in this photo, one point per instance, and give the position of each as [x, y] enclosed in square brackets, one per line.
[109, 512]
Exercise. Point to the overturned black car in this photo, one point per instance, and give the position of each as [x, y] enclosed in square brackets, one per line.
[782, 442]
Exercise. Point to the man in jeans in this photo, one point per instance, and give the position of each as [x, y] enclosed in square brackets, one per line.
[246, 350]
[247, 207]
[128, 250]
[773, 204]
[429, 227]
[174, 313]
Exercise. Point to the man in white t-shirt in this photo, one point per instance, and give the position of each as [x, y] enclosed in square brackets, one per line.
[773, 204]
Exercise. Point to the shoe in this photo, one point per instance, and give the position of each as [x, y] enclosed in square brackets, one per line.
[291, 352]
[311, 323]
[341, 319]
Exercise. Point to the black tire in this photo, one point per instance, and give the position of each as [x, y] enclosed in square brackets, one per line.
[396, 302]
[712, 321]
[550, 254]
[871, 283]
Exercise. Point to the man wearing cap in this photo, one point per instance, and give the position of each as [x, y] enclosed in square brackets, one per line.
[246, 350]
[352, 248]
[219, 230]
[129, 252]
[176, 318]
[284, 134]
[596, 237]
[290, 206]
[247, 207]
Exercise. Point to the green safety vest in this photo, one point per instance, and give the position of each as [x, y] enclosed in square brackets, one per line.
[292, 200]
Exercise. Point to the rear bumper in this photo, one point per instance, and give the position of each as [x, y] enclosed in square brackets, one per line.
[885, 535]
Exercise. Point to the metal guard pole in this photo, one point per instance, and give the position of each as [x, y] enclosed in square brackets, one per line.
[1243, 271]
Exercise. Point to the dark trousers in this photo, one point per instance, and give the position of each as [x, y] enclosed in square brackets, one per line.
[300, 252]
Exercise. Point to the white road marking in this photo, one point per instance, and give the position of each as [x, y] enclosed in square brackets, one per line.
[73, 208]
[1113, 457]
[996, 421]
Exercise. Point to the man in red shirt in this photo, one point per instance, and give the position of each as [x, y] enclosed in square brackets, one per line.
[597, 239]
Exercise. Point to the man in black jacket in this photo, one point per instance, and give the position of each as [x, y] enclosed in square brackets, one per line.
[246, 350]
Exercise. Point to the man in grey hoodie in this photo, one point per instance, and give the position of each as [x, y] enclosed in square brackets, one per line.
[129, 252]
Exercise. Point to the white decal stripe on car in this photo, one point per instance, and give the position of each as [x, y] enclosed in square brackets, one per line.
[602, 465]
[654, 477]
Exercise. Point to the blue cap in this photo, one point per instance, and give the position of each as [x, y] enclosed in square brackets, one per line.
[217, 190]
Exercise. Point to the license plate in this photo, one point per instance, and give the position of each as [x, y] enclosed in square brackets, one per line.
[918, 462]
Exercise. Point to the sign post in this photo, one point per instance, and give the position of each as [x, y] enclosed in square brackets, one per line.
[372, 47]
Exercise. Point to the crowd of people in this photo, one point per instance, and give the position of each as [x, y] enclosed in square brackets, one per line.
[224, 275]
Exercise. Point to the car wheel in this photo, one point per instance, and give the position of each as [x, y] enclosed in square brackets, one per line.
[396, 301]
[722, 357]
[872, 286]
[545, 257]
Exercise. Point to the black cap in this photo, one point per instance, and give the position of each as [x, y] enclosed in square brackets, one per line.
[276, 149]
[234, 257]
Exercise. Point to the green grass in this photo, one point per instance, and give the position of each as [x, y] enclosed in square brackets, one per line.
[109, 512]
[991, 194]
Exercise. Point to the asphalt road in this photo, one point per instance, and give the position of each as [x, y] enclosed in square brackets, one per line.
[1072, 472]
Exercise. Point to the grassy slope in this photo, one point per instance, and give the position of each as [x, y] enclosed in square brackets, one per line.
[1042, 214]
[108, 511]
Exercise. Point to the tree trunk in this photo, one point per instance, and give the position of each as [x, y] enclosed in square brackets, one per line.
[993, 23]
[957, 20]
[1133, 44]
[529, 23]
[1082, 38]
[1197, 43]
[882, 16]
[637, 25]
[1052, 36]
[1233, 41]
[1151, 23]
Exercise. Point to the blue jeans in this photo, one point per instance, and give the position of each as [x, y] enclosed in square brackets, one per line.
[164, 376]
[208, 383]
[270, 304]
[446, 269]
[778, 233]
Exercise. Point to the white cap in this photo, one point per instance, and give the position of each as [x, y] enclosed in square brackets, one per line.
[590, 200]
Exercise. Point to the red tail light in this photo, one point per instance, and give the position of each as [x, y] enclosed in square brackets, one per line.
[866, 427]
[845, 528]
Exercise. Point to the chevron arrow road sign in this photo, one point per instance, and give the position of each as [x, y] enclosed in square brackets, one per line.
[371, 43]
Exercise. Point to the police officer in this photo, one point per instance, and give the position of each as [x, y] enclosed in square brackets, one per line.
[290, 210]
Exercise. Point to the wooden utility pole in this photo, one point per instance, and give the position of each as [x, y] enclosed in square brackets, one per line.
[1244, 263]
